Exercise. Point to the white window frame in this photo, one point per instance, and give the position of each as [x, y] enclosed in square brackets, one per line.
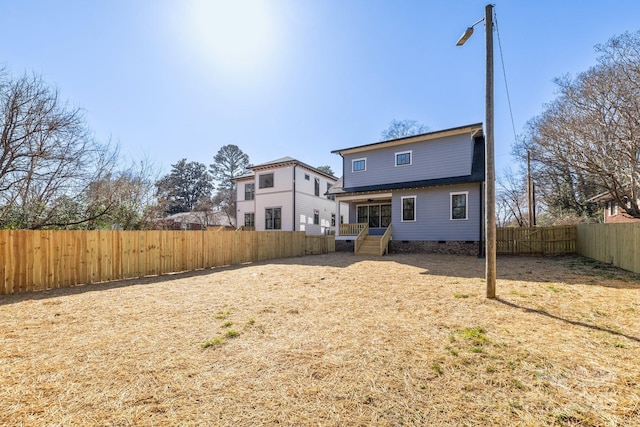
[466, 205]
[362, 159]
[395, 157]
[415, 208]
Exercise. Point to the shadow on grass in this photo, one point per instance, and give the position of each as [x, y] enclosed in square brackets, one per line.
[562, 319]
[530, 269]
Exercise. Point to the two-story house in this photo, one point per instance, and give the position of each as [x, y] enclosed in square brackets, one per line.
[286, 194]
[418, 193]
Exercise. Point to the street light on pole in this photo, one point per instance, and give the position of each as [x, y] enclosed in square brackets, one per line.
[490, 173]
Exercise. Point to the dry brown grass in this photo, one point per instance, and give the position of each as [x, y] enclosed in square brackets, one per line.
[330, 340]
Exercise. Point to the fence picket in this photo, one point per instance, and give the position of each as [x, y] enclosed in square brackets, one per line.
[36, 260]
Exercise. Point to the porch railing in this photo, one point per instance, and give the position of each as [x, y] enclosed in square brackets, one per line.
[384, 241]
[360, 239]
[353, 229]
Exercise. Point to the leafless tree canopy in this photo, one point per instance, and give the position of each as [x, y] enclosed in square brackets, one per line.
[402, 128]
[587, 141]
[48, 159]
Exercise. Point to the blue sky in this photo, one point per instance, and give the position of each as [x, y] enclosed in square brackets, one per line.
[173, 79]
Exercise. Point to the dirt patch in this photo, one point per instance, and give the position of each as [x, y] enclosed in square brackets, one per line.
[330, 340]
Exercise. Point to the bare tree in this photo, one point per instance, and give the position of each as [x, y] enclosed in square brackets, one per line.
[402, 128]
[511, 199]
[48, 158]
[588, 140]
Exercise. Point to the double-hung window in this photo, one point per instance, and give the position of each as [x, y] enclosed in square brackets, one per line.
[359, 165]
[249, 219]
[249, 191]
[265, 180]
[316, 217]
[408, 208]
[459, 205]
[273, 218]
[316, 187]
[404, 158]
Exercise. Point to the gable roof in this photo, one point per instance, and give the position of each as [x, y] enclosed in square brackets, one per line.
[473, 129]
[477, 175]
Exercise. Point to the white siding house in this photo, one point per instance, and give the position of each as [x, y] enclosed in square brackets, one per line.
[286, 194]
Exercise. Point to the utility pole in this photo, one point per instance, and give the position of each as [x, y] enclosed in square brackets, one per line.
[490, 159]
[529, 190]
[489, 165]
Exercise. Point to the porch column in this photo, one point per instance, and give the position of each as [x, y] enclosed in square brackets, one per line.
[337, 217]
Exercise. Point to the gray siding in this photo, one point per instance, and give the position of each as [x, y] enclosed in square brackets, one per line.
[439, 158]
[433, 217]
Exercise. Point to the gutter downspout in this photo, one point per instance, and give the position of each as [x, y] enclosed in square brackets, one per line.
[481, 222]
[293, 220]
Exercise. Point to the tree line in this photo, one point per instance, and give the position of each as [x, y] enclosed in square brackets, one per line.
[584, 144]
[55, 174]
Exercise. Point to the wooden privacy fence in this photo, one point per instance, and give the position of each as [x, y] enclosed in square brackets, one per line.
[36, 260]
[617, 244]
[536, 240]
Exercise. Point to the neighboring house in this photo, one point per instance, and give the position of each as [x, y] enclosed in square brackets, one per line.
[286, 194]
[612, 213]
[425, 192]
[196, 220]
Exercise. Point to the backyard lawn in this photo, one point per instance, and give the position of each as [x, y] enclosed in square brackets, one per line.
[330, 340]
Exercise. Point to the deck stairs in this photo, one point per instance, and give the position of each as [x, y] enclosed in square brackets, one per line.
[371, 246]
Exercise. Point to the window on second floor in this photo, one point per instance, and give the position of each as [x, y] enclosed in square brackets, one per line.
[266, 180]
[316, 187]
[403, 158]
[359, 165]
[249, 191]
[330, 196]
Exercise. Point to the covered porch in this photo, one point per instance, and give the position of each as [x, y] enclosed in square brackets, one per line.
[368, 221]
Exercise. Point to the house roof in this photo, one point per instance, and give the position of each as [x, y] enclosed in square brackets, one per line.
[477, 175]
[198, 217]
[472, 129]
[277, 163]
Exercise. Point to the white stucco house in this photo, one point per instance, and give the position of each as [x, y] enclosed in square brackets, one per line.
[286, 194]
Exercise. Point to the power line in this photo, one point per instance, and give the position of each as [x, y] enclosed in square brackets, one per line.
[504, 74]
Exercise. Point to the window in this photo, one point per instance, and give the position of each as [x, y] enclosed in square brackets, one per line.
[316, 187]
[307, 177]
[613, 208]
[266, 180]
[385, 215]
[358, 165]
[330, 196]
[459, 205]
[273, 218]
[409, 208]
[249, 219]
[374, 215]
[316, 217]
[403, 158]
[249, 191]
[333, 220]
